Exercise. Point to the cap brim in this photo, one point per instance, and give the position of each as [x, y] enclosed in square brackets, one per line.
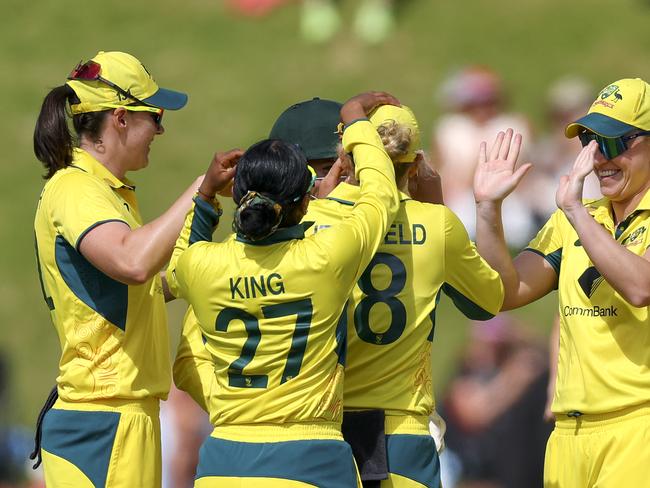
[600, 124]
[167, 99]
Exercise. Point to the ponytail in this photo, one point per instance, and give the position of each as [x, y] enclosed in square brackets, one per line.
[396, 139]
[52, 139]
[53, 142]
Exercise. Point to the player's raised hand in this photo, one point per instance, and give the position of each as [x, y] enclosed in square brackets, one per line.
[496, 174]
[218, 178]
[335, 175]
[569, 193]
[361, 105]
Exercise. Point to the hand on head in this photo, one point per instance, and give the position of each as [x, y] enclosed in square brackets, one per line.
[220, 173]
[361, 105]
[496, 177]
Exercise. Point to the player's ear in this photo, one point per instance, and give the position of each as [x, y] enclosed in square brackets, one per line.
[305, 204]
[118, 118]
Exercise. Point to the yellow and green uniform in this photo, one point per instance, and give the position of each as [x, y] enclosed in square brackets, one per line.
[603, 372]
[115, 349]
[269, 311]
[391, 318]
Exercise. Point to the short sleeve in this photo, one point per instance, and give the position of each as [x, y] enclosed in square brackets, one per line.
[78, 202]
[474, 287]
[548, 242]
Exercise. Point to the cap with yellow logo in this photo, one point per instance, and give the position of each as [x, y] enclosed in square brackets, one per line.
[619, 109]
[403, 116]
[116, 79]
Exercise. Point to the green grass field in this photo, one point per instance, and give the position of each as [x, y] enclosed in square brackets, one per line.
[240, 75]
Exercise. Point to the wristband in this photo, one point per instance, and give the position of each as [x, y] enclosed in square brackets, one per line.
[213, 202]
[209, 197]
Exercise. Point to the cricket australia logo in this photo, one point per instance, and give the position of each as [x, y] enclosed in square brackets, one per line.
[635, 237]
[609, 91]
[590, 280]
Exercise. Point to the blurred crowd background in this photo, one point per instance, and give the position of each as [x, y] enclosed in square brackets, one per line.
[468, 69]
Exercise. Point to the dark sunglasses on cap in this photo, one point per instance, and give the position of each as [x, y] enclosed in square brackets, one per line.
[89, 71]
[610, 147]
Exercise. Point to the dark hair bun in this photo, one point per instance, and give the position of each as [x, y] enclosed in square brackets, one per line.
[257, 220]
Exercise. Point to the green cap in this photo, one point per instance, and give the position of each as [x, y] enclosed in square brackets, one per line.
[313, 125]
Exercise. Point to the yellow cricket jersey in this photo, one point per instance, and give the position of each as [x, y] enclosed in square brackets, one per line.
[269, 310]
[113, 337]
[604, 358]
[391, 313]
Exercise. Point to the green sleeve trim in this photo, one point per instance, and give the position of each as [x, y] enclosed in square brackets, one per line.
[204, 221]
[343, 202]
[470, 309]
[354, 122]
[554, 258]
[96, 224]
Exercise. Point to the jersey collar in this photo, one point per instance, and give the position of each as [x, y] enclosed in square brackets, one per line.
[281, 235]
[348, 194]
[84, 161]
[601, 209]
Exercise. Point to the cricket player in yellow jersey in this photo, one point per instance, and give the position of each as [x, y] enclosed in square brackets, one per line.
[99, 268]
[312, 125]
[391, 316]
[268, 302]
[595, 254]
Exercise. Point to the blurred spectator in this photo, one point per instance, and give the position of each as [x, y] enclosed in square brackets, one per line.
[568, 98]
[15, 442]
[475, 101]
[494, 408]
[254, 8]
[184, 427]
[373, 22]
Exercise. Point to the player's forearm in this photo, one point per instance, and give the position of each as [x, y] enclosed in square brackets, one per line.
[145, 250]
[626, 272]
[193, 367]
[553, 358]
[491, 244]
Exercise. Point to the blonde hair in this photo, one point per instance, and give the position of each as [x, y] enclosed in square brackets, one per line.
[396, 139]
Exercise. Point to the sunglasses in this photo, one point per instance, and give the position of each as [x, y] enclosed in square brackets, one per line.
[610, 147]
[156, 116]
[311, 183]
[89, 71]
[313, 178]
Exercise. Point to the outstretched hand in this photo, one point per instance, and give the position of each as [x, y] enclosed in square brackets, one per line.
[220, 173]
[361, 105]
[496, 177]
[569, 193]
